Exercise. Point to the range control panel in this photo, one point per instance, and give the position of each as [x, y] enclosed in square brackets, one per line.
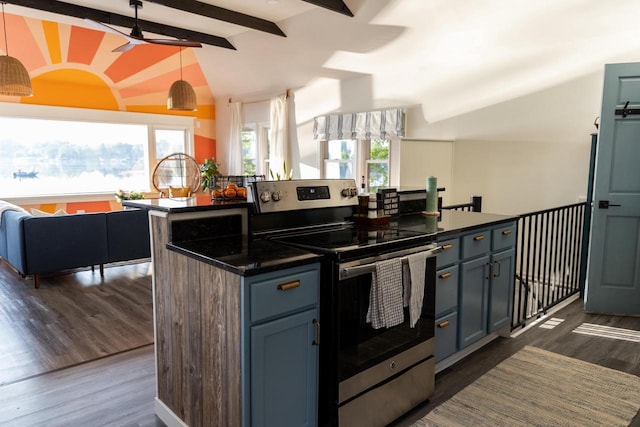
[279, 196]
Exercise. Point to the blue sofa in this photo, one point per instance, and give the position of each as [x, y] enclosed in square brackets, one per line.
[36, 245]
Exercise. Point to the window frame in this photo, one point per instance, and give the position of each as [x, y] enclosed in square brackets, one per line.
[262, 130]
[361, 160]
[152, 121]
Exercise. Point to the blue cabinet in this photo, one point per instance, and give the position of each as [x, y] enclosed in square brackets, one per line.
[474, 292]
[474, 289]
[281, 348]
[283, 371]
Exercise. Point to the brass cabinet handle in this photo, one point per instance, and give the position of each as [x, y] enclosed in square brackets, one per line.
[443, 324]
[445, 275]
[289, 285]
[317, 340]
[447, 246]
[478, 238]
[506, 232]
[499, 269]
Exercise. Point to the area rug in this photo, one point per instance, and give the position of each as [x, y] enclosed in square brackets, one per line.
[535, 387]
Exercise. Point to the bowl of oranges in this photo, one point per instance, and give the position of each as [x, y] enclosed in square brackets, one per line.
[228, 189]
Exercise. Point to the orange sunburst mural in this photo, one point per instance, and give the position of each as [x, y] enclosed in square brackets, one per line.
[75, 67]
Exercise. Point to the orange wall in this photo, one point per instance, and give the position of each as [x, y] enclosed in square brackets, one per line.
[75, 67]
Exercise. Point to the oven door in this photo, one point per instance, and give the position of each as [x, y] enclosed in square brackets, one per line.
[368, 356]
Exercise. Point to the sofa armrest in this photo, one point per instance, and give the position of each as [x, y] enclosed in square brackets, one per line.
[11, 228]
[128, 235]
[55, 243]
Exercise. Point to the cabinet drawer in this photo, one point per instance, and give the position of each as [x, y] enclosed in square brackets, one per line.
[446, 289]
[446, 336]
[283, 293]
[504, 237]
[476, 243]
[450, 252]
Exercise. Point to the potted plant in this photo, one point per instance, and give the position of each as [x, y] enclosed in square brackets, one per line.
[210, 173]
[128, 195]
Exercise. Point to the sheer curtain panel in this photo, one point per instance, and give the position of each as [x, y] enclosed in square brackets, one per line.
[235, 139]
[279, 155]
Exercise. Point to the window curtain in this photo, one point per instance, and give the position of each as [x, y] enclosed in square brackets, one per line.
[279, 155]
[235, 139]
[380, 124]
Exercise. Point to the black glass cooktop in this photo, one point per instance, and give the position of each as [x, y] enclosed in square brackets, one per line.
[354, 241]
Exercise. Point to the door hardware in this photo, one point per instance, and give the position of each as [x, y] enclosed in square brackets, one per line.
[604, 204]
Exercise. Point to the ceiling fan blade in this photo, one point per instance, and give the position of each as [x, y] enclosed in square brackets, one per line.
[174, 42]
[105, 27]
[125, 47]
[134, 41]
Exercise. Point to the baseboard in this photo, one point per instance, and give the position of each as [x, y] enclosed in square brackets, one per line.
[458, 356]
[167, 416]
[549, 313]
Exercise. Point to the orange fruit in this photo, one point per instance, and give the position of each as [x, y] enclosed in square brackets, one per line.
[229, 193]
[241, 192]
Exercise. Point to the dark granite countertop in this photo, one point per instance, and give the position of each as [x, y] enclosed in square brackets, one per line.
[184, 204]
[240, 255]
[451, 222]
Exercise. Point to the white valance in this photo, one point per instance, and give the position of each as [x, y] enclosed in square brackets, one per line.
[380, 124]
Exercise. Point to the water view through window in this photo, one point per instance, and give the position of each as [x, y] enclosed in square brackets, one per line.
[52, 157]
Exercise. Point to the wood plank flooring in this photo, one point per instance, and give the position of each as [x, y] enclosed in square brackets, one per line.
[118, 390]
[72, 318]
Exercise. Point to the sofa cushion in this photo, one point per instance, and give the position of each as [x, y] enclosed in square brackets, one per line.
[55, 243]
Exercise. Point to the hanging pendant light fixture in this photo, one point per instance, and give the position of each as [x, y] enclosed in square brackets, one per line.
[182, 97]
[14, 78]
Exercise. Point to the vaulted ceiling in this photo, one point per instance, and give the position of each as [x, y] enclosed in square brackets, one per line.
[449, 56]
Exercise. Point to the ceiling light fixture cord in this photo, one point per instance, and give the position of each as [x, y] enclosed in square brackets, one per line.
[4, 27]
[180, 62]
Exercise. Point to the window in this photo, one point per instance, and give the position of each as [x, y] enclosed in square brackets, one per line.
[255, 149]
[341, 158]
[359, 158]
[377, 163]
[55, 156]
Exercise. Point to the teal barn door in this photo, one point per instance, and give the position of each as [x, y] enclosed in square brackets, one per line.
[613, 280]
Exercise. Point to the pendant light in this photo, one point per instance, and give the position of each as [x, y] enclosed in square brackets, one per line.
[14, 78]
[182, 97]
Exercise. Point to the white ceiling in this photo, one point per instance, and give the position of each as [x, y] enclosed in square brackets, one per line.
[449, 56]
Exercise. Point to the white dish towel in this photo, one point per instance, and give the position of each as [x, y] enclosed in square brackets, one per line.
[417, 263]
[385, 297]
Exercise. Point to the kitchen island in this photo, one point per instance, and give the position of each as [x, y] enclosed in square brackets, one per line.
[231, 348]
[218, 312]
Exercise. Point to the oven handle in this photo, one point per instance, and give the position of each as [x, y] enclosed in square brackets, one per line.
[358, 270]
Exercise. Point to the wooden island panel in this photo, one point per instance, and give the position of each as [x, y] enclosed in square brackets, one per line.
[198, 335]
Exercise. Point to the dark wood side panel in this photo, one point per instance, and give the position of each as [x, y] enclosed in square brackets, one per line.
[198, 327]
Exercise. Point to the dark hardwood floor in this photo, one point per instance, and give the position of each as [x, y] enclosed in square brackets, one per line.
[118, 388]
[72, 318]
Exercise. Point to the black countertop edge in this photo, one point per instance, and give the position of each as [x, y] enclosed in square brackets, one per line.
[475, 227]
[184, 204]
[452, 222]
[256, 257]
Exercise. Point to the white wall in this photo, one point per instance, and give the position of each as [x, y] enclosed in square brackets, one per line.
[521, 177]
[422, 158]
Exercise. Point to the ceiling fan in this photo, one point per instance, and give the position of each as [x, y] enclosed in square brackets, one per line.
[136, 37]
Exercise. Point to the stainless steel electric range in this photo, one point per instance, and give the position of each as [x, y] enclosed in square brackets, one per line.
[368, 377]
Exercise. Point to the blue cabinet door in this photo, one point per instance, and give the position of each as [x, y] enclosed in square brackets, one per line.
[284, 371]
[501, 289]
[473, 299]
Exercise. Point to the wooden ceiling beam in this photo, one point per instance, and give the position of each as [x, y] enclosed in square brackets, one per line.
[222, 14]
[333, 5]
[68, 9]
